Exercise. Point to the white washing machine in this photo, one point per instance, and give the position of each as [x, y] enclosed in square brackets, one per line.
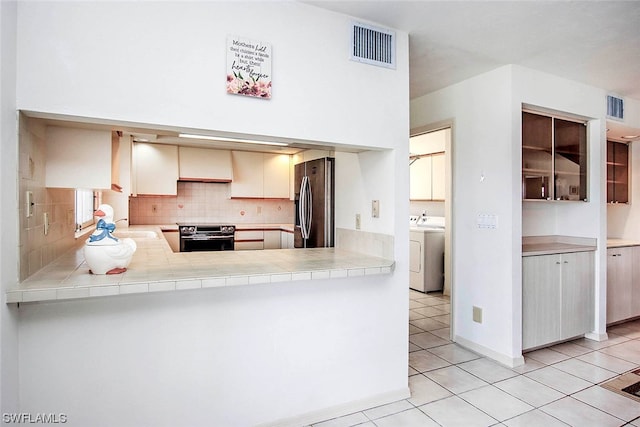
[426, 254]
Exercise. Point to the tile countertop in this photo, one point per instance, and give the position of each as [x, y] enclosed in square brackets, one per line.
[547, 245]
[155, 268]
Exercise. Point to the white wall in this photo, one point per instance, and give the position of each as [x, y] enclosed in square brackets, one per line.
[240, 356]
[8, 217]
[174, 72]
[487, 161]
[622, 219]
[223, 357]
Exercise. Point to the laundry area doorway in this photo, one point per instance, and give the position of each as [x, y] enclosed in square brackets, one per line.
[430, 232]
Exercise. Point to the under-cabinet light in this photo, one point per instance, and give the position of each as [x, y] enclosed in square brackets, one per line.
[218, 138]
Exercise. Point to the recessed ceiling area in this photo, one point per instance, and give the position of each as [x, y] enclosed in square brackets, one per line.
[209, 139]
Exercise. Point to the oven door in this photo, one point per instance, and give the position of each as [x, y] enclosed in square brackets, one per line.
[206, 243]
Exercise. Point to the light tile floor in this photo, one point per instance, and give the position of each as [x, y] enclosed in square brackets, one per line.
[557, 386]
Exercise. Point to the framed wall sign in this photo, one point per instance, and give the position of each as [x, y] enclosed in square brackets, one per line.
[248, 67]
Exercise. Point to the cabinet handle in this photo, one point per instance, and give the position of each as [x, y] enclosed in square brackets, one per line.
[558, 262]
[566, 262]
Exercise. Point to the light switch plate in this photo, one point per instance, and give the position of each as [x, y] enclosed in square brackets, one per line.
[375, 208]
[357, 221]
[487, 221]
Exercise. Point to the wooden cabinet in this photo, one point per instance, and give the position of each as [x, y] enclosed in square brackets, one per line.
[155, 169]
[202, 164]
[78, 158]
[617, 172]
[623, 283]
[260, 175]
[554, 158]
[557, 297]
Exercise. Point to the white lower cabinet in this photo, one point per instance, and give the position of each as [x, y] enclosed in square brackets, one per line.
[623, 283]
[557, 297]
[286, 240]
[272, 239]
[249, 240]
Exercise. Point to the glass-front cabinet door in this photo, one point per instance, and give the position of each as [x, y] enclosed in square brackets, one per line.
[617, 172]
[554, 158]
[570, 160]
[537, 156]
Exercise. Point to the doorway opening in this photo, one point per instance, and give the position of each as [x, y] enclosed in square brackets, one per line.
[430, 222]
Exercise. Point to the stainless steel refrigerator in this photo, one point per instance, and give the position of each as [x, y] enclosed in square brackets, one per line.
[314, 203]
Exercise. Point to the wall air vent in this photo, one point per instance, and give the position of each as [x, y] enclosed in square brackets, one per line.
[373, 45]
[615, 107]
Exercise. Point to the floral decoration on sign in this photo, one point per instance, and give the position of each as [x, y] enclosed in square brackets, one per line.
[248, 67]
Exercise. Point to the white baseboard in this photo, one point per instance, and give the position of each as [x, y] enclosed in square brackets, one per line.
[505, 360]
[341, 410]
[595, 336]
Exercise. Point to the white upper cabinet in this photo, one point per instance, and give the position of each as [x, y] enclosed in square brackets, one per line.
[78, 158]
[203, 164]
[420, 179]
[248, 174]
[427, 165]
[276, 176]
[437, 176]
[155, 169]
[260, 175]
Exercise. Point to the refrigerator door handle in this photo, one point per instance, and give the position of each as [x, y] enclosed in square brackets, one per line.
[301, 208]
[309, 208]
[305, 208]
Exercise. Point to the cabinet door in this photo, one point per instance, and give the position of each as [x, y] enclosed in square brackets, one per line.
[635, 281]
[617, 172]
[537, 156]
[438, 176]
[205, 164]
[577, 294]
[272, 239]
[570, 162]
[540, 300]
[156, 169]
[420, 179]
[78, 158]
[248, 174]
[620, 270]
[276, 176]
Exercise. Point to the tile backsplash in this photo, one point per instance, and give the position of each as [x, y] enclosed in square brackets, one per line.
[38, 249]
[200, 202]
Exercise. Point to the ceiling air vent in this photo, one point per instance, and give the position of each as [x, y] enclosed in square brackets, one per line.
[615, 107]
[373, 45]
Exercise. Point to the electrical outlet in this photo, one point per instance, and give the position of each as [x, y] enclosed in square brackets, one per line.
[46, 223]
[477, 314]
[30, 203]
[357, 221]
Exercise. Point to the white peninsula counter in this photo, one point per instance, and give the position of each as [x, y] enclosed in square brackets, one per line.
[156, 268]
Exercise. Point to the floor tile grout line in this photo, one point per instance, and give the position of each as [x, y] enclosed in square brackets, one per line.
[544, 365]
